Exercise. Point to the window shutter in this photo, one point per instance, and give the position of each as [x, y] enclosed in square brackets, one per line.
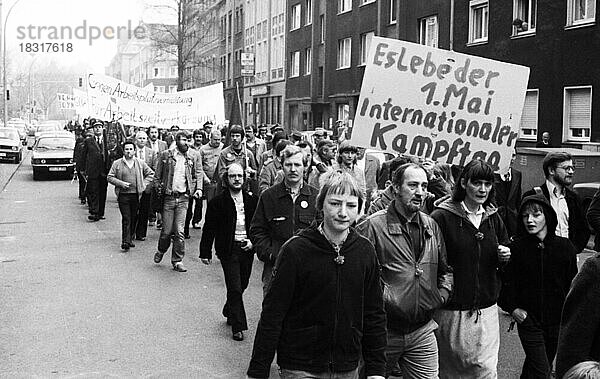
[580, 108]
[529, 116]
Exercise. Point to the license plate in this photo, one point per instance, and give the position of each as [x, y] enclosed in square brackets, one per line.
[2, 154]
[57, 169]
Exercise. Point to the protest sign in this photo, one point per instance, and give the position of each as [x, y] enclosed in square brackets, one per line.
[439, 104]
[111, 99]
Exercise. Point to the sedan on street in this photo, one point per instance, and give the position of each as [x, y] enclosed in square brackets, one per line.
[10, 145]
[53, 155]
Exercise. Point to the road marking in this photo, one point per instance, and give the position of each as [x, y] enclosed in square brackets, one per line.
[20, 201]
[7, 238]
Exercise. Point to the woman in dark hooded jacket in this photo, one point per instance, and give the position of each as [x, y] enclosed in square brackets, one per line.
[536, 282]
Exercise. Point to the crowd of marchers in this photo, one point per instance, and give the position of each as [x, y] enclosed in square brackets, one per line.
[370, 268]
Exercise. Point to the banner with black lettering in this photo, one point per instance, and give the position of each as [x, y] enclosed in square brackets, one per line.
[439, 104]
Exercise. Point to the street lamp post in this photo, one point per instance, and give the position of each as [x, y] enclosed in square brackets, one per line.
[5, 19]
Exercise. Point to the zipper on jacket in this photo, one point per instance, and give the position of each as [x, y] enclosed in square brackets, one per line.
[477, 262]
[335, 317]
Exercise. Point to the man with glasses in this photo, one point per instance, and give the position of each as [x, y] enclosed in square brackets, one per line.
[558, 169]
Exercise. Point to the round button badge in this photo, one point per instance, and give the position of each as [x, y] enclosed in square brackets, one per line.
[304, 204]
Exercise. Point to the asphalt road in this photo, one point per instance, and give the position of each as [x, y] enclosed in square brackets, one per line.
[73, 305]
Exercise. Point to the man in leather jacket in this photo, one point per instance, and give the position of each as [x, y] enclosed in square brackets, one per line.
[416, 276]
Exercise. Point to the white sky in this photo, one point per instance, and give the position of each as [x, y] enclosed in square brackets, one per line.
[73, 13]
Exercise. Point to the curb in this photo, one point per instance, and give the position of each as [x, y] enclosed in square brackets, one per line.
[14, 172]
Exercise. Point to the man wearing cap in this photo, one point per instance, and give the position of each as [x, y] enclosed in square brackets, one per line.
[94, 154]
[237, 152]
[206, 129]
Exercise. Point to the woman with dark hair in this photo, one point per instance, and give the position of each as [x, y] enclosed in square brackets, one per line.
[468, 334]
[536, 283]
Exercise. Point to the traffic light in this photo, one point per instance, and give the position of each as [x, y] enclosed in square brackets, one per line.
[80, 82]
[7, 94]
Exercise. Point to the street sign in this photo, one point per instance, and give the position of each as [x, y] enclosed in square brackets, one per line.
[247, 60]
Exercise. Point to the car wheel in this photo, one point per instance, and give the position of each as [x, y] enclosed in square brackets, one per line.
[18, 158]
[36, 175]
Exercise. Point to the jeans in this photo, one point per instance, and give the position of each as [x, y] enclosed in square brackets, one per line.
[195, 208]
[237, 269]
[298, 374]
[96, 189]
[539, 343]
[416, 352]
[173, 218]
[128, 205]
[141, 220]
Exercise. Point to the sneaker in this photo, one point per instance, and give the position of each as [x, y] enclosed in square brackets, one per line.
[239, 336]
[179, 267]
[150, 223]
[196, 225]
[158, 257]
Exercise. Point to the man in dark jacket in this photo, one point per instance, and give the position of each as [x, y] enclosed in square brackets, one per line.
[227, 223]
[579, 337]
[508, 197]
[558, 169]
[412, 255]
[324, 309]
[80, 164]
[97, 164]
[282, 210]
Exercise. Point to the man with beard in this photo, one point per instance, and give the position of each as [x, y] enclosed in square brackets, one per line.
[176, 177]
[238, 153]
[254, 144]
[194, 212]
[558, 169]
[412, 254]
[95, 156]
[158, 146]
[227, 224]
[282, 210]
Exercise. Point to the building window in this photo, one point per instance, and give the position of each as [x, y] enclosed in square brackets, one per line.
[365, 44]
[393, 15]
[577, 114]
[344, 6]
[309, 12]
[308, 62]
[295, 64]
[344, 53]
[428, 31]
[172, 89]
[524, 13]
[529, 118]
[322, 21]
[156, 72]
[294, 17]
[478, 21]
[581, 12]
[343, 112]
[173, 73]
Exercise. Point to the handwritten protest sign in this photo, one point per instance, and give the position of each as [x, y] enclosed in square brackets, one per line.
[438, 104]
[112, 99]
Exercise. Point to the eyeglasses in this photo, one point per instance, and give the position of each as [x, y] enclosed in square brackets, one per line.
[567, 168]
[235, 176]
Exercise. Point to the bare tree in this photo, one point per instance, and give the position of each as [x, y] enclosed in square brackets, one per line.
[181, 40]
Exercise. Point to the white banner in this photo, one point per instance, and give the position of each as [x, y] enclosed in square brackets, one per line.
[112, 99]
[439, 104]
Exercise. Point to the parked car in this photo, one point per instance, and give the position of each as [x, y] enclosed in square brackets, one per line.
[21, 127]
[53, 155]
[10, 145]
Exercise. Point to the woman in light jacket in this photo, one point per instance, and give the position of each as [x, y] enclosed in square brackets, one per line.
[130, 176]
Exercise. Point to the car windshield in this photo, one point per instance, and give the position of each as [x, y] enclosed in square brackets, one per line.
[56, 143]
[47, 128]
[9, 134]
